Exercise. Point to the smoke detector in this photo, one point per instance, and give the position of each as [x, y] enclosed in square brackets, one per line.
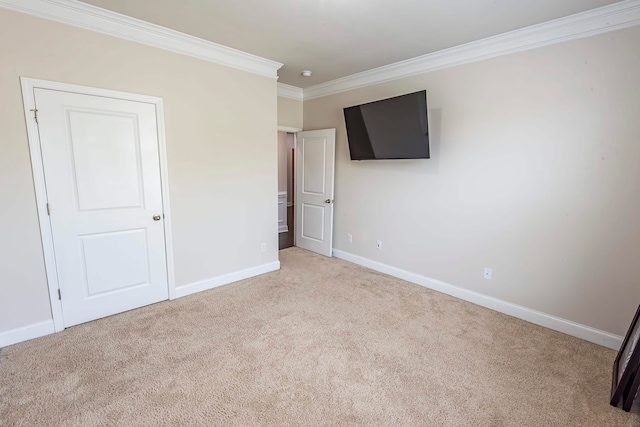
[306, 73]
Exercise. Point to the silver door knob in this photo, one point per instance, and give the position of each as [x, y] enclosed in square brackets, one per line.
[328, 201]
[157, 217]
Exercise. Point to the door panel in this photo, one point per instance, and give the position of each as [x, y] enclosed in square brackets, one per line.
[313, 222]
[315, 158]
[115, 261]
[102, 172]
[105, 159]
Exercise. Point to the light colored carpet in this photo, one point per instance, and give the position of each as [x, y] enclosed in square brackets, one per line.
[320, 342]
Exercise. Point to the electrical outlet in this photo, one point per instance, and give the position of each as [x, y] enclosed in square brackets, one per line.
[378, 244]
[263, 247]
[350, 238]
[488, 273]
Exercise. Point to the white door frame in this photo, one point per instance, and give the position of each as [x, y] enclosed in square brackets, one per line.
[37, 167]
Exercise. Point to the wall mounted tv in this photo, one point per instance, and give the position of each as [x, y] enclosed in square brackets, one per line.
[394, 128]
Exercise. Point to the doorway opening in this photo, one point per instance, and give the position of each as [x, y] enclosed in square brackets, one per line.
[286, 186]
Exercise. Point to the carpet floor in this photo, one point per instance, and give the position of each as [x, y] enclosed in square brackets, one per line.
[321, 342]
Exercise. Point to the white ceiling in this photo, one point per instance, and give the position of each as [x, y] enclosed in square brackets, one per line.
[337, 38]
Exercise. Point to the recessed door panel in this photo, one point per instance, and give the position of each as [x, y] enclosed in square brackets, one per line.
[115, 261]
[314, 165]
[313, 222]
[105, 150]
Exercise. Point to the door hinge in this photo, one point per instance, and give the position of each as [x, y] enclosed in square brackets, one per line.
[48, 210]
[35, 114]
[59, 294]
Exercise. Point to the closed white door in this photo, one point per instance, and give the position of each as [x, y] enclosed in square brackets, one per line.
[315, 162]
[102, 175]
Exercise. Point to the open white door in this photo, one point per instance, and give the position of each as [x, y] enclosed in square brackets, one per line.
[314, 166]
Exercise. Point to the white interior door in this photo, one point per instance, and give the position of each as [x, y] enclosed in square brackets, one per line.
[102, 174]
[315, 162]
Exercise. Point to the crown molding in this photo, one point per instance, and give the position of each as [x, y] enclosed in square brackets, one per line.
[72, 12]
[596, 21]
[93, 18]
[291, 92]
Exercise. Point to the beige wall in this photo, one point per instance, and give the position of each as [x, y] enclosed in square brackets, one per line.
[222, 172]
[535, 172]
[285, 145]
[290, 145]
[283, 155]
[289, 113]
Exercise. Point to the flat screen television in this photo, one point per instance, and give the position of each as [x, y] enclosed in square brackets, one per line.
[394, 128]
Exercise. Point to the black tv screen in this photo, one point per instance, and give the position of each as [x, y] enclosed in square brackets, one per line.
[394, 128]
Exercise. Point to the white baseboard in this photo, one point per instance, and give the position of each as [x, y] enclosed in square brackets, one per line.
[24, 333]
[46, 327]
[204, 285]
[283, 229]
[578, 330]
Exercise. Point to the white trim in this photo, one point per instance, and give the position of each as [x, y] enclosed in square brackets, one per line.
[29, 332]
[578, 330]
[225, 279]
[104, 21]
[291, 92]
[596, 21]
[288, 129]
[28, 97]
[166, 206]
[37, 169]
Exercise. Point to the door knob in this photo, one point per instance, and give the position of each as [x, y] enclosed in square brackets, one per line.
[157, 217]
[328, 201]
